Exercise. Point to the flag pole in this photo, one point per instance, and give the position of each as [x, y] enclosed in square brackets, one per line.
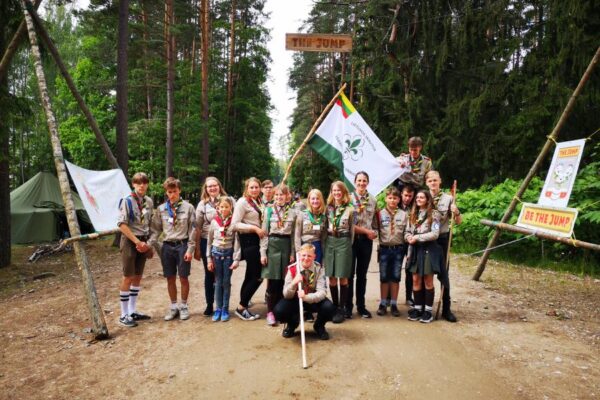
[312, 131]
[301, 310]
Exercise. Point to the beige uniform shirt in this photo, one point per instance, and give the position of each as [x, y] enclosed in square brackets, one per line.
[173, 229]
[245, 217]
[205, 212]
[416, 176]
[425, 232]
[346, 221]
[227, 241]
[391, 232]
[140, 225]
[309, 230]
[366, 210]
[443, 207]
[316, 292]
[273, 225]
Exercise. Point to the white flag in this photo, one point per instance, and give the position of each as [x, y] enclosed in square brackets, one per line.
[346, 141]
[561, 175]
[100, 193]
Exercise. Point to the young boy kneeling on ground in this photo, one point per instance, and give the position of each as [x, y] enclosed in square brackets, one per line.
[313, 294]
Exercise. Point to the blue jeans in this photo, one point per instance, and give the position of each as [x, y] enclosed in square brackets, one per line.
[390, 263]
[222, 260]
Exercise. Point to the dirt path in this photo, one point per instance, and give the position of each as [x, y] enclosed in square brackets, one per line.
[503, 347]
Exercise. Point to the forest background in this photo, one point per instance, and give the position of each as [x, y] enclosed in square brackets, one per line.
[482, 82]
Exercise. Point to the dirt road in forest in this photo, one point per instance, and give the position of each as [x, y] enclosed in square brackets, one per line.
[532, 335]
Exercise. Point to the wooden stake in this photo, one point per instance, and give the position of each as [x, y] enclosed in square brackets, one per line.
[447, 266]
[99, 325]
[65, 73]
[538, 162]
[541, 235]
[89, 236]
[311, 132]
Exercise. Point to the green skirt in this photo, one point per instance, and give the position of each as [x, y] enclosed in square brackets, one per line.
[278, 256]
[338, 257]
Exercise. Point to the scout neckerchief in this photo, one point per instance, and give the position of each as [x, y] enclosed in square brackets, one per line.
[141, 203]
[223, 225]
[281, 219]
[420, 219]
[308, 280]
[315, 222]
[172, 210]
[392, 216]
[337, 212]
[361, 201]
[436, 199]
[256, 205]
[415, 165]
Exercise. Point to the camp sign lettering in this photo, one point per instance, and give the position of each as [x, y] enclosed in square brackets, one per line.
[318, 42]
[554, 220]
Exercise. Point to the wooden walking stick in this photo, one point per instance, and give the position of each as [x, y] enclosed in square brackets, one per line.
[302, 336]
[447, 266]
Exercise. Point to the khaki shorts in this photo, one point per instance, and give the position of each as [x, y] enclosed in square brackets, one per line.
[133, 261]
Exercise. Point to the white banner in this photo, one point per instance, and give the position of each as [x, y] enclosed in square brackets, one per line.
[561, 175]
[100, 193]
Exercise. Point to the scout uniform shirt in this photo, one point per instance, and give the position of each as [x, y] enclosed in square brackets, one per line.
[366, 210]
[340, 220]
[442, 203]
[309, 228]
[136, 213]
[247, 214]
[279, 220]
[205, 212]
[422, 230]
[176, 224]
[222, 236]
[392, 226]
[418, 169]
[314, 283]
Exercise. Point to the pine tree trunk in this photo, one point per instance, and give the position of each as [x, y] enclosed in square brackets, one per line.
[122, 112]
[170, 50]
[204, 13]
[146, 38]
[230, 117]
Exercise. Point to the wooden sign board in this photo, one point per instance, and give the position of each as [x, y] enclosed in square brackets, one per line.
[555, 220]
[318, 42]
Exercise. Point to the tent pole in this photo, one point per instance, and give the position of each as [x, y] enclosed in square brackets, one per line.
[99, 324]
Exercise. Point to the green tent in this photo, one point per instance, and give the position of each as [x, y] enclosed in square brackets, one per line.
[37, 212]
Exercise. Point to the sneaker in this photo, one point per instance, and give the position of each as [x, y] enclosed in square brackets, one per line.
[308, 316]
[138, 316]
[382, 310]
[395, 311]
[427, 317]
[127, 322]
[321, 332]
[410, 302]
[347, 313]
[172, 314]
[363, 312]
[271, 319]
[448, 316]
[246, 315]
[184, 313]
[208, 311]
[414, 314]
[224, 316]
[288, 331]
[217, 315]
[338, 317]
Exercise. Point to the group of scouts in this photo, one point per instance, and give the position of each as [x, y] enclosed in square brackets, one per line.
[332, 239]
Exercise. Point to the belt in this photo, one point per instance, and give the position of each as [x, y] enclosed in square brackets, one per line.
[175, 242]
[339, 234]
[143, 238]
[395, 246]
[277, 235]
[222, 249]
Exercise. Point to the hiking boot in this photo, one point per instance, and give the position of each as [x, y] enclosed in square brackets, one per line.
[347, 313]
[271, 319]
[414, 314]
[338, 317]
[448, 316]
[427, 317]
[127, 322]
[321, 332]
[288, 331]
[138, 316]
[224, 315]
[208, 311]
[363, 312]
[184, 313]
[382, 310]
[172, 314]
[246, 315]
[395, 311]
[216, 315]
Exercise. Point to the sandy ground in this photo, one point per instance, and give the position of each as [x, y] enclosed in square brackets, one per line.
[522, 334]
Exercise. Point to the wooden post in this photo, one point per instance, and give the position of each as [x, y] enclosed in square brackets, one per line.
[311, 132]
[541, 235]
[65, 73]
[89, 236]
[99, 325]
[14, 44]
[538, 162]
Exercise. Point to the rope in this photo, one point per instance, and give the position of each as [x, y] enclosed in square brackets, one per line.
[517, 199]
[502, 245]
[589, 205]
[590, 137]
[550, 137]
